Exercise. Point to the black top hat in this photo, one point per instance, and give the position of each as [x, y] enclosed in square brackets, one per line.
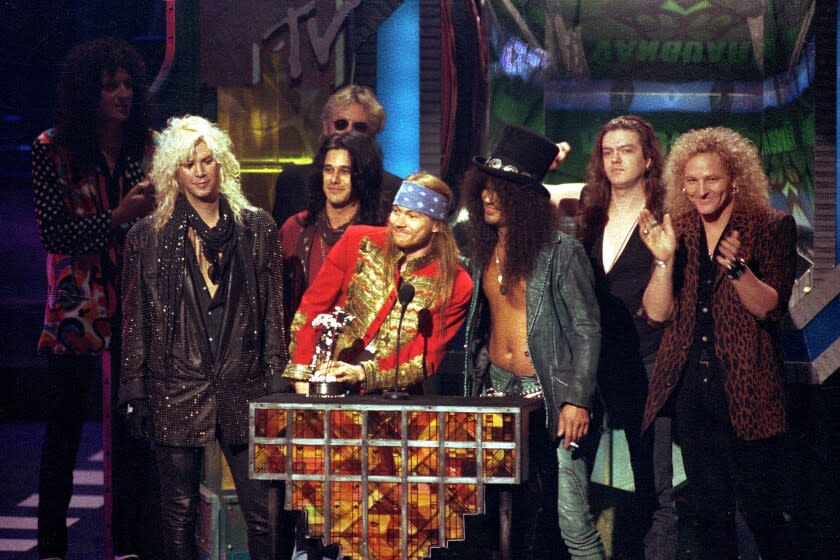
[521, 156]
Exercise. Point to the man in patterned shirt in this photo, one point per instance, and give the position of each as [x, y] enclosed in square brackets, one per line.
[89, 186]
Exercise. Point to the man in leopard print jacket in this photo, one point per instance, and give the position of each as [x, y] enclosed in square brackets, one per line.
[724, 267]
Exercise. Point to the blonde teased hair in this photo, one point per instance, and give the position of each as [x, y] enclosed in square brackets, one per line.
[740, 158]
[177, 146]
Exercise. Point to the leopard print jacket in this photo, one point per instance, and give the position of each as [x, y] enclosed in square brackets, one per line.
[745, 346]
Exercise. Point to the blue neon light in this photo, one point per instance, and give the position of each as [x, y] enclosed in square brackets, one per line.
[398, 87]
[570, 94]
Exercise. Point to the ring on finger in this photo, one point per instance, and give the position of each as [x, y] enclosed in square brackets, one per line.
[646, 231]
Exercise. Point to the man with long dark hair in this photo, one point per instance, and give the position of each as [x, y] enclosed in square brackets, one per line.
[351, 108]
[90, 185]
[533, 329]
[625, 168]
[343, 190]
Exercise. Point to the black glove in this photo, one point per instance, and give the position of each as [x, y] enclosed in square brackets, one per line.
[280, 384]
[138, 419]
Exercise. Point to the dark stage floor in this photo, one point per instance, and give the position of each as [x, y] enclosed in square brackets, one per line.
[18, 501]
[21, 445]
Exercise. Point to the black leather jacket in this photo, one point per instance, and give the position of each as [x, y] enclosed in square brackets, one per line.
[563, 325]
[188, 392]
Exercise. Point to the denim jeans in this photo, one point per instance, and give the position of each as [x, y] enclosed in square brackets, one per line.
[574, 516]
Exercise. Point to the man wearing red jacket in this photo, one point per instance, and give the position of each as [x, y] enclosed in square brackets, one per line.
[363, 274]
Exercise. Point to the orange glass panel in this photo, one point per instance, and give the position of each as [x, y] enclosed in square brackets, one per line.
[346, 460]
[460, 426]
[460, 462]
[308, 496]
[346, 424]
[384, 461]
[269, 422]
[499, 426]
[384, 519]
[423, 519]
[307, 459]
[384, 424]
[423, 426]
[346, 515]
[270, 458]
[499, 462]
[460, 499]
[308, 423]
[423, 461]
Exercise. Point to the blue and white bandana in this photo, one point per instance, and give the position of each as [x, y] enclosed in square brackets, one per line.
[422, 199]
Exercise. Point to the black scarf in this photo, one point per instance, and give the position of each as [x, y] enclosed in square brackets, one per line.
[215, 240]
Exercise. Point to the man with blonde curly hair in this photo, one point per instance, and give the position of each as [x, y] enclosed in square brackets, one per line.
[724, 268]
[203, 332]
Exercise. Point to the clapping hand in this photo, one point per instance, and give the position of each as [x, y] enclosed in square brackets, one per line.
[727, 251]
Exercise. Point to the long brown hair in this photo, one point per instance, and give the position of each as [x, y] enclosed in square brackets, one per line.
[592, 216]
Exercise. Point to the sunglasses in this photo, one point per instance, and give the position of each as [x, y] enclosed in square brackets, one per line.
[342, 124]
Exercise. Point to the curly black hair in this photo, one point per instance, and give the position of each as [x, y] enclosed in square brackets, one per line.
[529, 214]
[366, 179]
[80, 91]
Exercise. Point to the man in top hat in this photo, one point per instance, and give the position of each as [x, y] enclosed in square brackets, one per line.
[533, 329]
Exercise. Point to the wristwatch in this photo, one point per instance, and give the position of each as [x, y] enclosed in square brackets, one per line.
[738, 267]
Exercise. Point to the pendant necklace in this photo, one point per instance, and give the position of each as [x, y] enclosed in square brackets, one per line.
[500, 278]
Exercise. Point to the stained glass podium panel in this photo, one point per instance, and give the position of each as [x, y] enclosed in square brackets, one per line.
[386, 479]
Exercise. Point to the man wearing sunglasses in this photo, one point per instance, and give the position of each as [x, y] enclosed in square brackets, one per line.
[351, 108]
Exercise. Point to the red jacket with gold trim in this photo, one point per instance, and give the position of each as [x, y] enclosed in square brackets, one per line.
[354, 278]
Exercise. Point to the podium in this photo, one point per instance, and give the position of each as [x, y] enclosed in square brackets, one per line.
[389, 479]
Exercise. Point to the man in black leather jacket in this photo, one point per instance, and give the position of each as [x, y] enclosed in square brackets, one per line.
[533, 329]
[203, 329]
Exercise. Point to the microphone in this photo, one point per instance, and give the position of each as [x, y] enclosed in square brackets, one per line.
[404, 295]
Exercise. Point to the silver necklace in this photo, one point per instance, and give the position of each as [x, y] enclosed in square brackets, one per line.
[500, 278]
